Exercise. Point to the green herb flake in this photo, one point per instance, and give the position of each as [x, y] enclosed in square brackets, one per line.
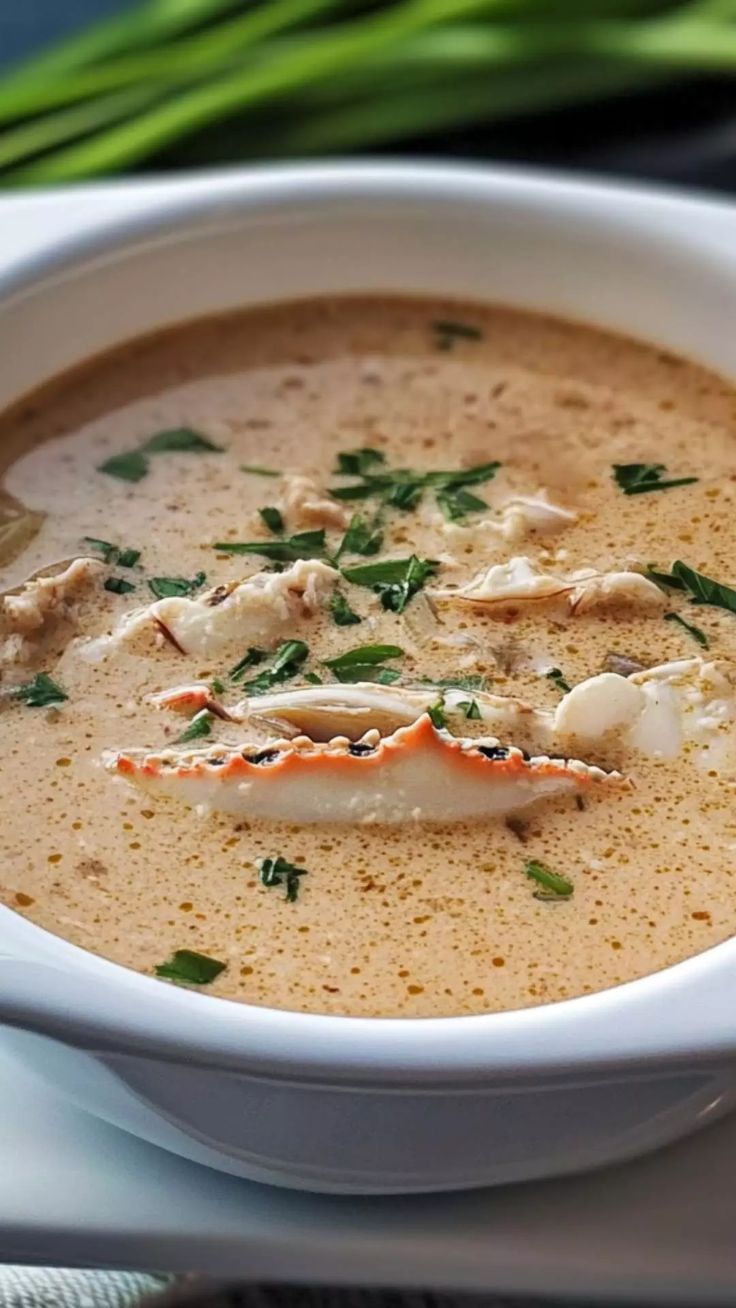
[200, 725]
[280, 872]
[470, 709]
[190, 968]
[124, 558]
[395, 581]
[179, 440]
[457, 683]
[553, 886]
[313, 679]
[287, 661]
[366, 663]
[357, 463]
[272, 519]
[640, 478]
[305, 545]
[218, 687]
[130, 466]
[118, 585]
[695, 632]
[342, 614]
[40, 692]
[255, 471]
[447, 331]
[166, 587]
[404, 495]
[457, 503]
[361, 537]
[250, 659]
[555, 676]
[703, 590]
[436, 715]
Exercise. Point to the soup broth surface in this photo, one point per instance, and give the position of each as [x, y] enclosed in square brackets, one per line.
[418, 918]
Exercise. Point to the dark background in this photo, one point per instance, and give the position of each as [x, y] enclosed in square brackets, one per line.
[685, 135]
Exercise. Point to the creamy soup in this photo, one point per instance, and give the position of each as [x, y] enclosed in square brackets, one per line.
[374, 657]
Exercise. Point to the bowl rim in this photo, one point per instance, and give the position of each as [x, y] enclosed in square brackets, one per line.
[44, 989]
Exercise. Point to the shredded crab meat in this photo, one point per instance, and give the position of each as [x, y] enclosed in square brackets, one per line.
[417, 773]
[518, 518]
[43, 599]
[258, 610]
[305, 504]
[518, 583]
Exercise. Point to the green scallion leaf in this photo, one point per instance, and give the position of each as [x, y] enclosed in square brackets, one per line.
[342, 614]
[179, 440]
[280, 872]
[555, 676]
[470, 709]
[286, 662]
[553, 886]
[118, 585]
[640, 478]
[40, 692]
[361, 537]
[166, 587]
[693, 631]
[395, 581]
[250, 659]
[436, 714]
[272, 519]
[305, 545]
[190, 968]
[200, 725]
[129, 466]
[357, 463]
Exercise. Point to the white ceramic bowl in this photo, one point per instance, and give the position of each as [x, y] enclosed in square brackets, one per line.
[347, 1104]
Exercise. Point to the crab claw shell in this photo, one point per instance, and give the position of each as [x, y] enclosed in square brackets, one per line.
[418, 773]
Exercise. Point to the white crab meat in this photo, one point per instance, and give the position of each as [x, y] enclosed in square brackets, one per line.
[518, 583]
[517, 518]
[687, 704]
[259, 610]
[305, 504]
[323, 712]
[417, 773]
[43, 599]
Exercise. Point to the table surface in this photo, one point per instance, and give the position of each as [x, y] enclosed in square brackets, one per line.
[76, 1191]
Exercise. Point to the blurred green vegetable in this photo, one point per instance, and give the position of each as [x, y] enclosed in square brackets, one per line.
[296, 77]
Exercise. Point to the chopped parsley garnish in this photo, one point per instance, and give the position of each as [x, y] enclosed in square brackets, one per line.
[218, 687]
[250, 659]
[395, 581]
[457, 683]
[695, 632]
[701, 589]
[640, 478]
[259, 472]
[470, 709]
[179, 440]
[132, 465]
[366, 663]
[553, 886]
[402, 488]
[200, 725]
[40, 692]
[436, 715]
[447, 331]
[358, 463]
[287, 661]
[456, 503]
[342, 614]
[118, 585]
[190, 968]
[124, 558]
[555, 676]
[361, 537]
[272, 519]
[165, 587]
[280, 872]
[305, 545]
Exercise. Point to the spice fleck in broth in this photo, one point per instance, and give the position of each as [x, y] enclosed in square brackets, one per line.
[373, 657]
